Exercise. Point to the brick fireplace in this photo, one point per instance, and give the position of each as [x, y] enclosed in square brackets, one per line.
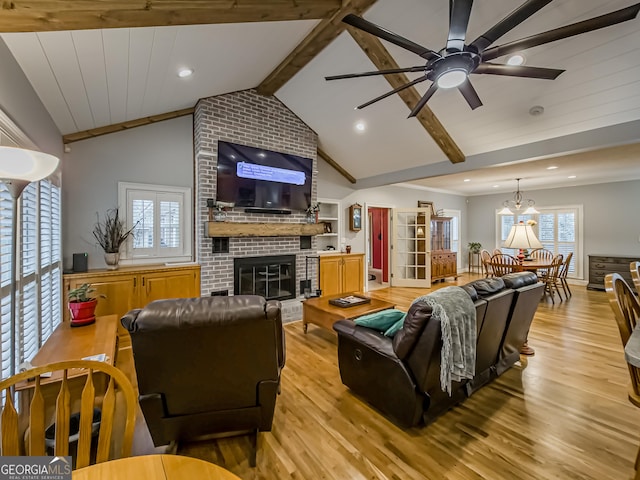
[248, 118]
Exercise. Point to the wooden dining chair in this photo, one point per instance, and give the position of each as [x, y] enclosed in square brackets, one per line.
[485, 258]
[541, 254]
[501, 264]
[626, 310]
[564, 271]
[497, 251]
[550, 278]
[635, 275]
[82, 395]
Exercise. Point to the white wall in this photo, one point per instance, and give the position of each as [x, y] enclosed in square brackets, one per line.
[611, 221]
[21, 103]
[160, 154]
[332, 185]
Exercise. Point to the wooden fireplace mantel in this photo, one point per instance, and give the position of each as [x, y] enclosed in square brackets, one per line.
[254, 229]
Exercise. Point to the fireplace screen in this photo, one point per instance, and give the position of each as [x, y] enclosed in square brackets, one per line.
[274, 278]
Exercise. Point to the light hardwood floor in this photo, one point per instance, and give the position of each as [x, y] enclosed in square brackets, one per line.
[562, 414]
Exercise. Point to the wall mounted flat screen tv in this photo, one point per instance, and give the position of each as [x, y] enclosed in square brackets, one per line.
[257, 178]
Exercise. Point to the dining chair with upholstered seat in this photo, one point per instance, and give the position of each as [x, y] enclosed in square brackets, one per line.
[564, 271]
[626, 310]
[501, 264]
[550, 278]
[635, 275]
[79, 400]
[485, 258]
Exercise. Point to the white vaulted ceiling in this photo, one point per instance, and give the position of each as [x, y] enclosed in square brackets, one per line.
[87, 79]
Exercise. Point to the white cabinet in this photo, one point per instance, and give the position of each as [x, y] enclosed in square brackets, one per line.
[329, 215]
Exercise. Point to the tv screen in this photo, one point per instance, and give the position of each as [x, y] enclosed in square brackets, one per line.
[259, 178]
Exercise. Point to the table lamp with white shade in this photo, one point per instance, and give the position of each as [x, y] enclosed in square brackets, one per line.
[18, 168]
[522, 237]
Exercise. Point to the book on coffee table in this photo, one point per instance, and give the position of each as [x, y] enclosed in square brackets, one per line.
[349, 301]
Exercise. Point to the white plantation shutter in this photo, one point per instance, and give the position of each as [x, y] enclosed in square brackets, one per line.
[28, 334]
[558, 229]
[39, 269]
[6, 213]
[161, 217]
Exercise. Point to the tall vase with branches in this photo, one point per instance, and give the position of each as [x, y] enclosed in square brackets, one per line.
[110, 234]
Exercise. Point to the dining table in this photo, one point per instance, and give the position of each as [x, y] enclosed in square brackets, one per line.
[154, 467]
[534, 265]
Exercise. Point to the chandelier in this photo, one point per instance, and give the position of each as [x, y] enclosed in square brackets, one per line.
[517, 204]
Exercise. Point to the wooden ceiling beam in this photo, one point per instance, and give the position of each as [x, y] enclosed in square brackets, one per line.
[118, 127]
[336, 165]
[321, 36]
[383, 60]
[50, 15]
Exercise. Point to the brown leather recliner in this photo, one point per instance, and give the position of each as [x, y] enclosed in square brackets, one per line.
[207, 365]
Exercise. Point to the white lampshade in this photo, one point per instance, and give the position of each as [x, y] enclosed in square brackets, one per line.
[28, 165]
[522, 236]
[531, 211]
[505, 211]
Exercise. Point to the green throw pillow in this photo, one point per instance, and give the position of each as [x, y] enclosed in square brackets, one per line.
[380, 320]
[393, 329]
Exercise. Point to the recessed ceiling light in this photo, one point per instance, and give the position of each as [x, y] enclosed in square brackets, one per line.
[360, 126]
[262, 154]
[467, 179]
[496, 186]
[552, 167]
[572, 176]
[185, 72]
[517, 59]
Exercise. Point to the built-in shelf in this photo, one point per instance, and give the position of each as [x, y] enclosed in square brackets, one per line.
[250, 229]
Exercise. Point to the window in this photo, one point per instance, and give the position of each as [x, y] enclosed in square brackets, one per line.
[39, 268]
[558, 229]
[161, 217]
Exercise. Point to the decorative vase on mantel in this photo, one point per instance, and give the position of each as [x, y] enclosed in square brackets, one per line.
[112, 260]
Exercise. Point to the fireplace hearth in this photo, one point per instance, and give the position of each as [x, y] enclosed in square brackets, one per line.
[273, 277]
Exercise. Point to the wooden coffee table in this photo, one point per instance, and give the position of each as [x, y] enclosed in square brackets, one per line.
[320, 312]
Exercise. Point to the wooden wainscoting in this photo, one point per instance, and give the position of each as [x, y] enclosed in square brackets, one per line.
[563, 413]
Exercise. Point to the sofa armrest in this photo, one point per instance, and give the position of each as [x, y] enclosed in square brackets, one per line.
[371, 369]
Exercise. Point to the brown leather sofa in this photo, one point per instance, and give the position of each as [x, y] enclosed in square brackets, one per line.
[207, 365]
[400, 376]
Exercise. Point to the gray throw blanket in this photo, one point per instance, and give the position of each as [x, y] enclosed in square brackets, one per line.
[453, 307]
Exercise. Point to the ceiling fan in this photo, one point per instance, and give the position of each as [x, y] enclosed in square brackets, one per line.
[451, 66]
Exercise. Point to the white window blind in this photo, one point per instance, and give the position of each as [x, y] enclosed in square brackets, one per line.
[38, 278]
[161, 218]
[558, 229]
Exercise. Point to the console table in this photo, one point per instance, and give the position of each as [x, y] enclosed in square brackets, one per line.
[601, 265]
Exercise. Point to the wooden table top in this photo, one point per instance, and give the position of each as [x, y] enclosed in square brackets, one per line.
[74, 343]
[322, 304]
[154, 467]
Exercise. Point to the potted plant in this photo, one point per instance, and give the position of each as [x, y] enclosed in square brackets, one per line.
[82, 305]
[475, 247]
[110, 235]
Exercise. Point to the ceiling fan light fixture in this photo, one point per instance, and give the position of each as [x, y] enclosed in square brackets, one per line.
[452, 78]
[516, 59]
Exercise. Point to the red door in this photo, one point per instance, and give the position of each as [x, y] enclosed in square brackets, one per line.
[380, 240]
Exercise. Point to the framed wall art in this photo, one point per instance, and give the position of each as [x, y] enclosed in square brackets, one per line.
[355, 217]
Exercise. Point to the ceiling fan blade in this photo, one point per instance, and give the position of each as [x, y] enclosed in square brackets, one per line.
[419, 68]
[509, 22]
[518, 71]
[459, 13]
[423, 101]
[470, 95]
[395, 90]
[384, 34]
[595, 23]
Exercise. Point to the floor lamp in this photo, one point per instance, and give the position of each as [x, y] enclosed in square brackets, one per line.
[18, 168]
